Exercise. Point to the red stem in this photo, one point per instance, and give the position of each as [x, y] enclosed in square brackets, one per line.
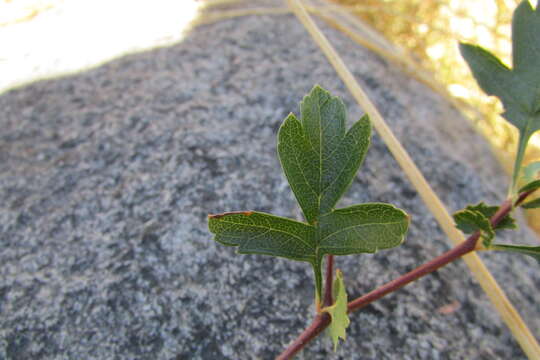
[328, 281]
[321, 321]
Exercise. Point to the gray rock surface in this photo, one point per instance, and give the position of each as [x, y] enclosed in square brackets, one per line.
[107, 177]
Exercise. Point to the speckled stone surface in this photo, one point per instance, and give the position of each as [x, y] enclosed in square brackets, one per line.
[107, 177]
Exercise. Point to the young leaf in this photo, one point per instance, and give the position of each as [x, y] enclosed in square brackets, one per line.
[318, 157]
[477, 217]
[481, 213]
[338, 311]
[533, 251]
[517, 88]
[470, 221]
[534, 204]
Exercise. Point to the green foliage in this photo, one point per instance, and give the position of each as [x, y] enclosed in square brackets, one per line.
[265, 234]
[534, 204]
[470, 221]
[338, 311]
[320, 160]
[533, 251]
[532, 186]
[477, 218]
[517, 88]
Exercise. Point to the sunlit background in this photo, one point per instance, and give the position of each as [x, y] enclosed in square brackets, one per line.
[47, 38]
[431, 29]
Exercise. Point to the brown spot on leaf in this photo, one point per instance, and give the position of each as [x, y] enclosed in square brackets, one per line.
[217, 216]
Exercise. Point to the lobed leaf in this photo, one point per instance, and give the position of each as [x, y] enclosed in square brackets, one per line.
[470, 221]
[318, 157]
[476, 217]
[517, 88]
[320, 160]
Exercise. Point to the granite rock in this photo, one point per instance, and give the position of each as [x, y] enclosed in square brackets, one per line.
[107, 177]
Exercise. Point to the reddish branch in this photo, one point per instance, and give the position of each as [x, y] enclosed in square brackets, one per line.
[327, 301]
[322, 320]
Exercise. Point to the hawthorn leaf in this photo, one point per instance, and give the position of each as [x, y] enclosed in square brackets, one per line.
[533, 251]
[363, 228]
[264, 234]
[534, 204]
[517, 88]
[508, 222]
[470, 221]
[318, 156]
[468, 226]
[338, 311]
[320, 159]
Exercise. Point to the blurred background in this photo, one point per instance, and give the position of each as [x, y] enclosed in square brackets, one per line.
[35, 43]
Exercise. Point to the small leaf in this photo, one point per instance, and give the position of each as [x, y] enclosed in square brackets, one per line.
[534, 204]
[470, 221]
[533, 251]
[532, 186]
[319, 159]
[338, 311]
[265, 234]
[466, 223]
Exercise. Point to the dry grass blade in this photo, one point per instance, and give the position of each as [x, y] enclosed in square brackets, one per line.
[506, 310]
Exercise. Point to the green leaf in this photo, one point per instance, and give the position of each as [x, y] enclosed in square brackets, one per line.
[338, 311]
[264, 234]
[477, 217]
[470, 221]
[532, 186]
[533, 251]
[517, 88]
[362, 228]
[467, 222]
[318, 157]
[534, 204]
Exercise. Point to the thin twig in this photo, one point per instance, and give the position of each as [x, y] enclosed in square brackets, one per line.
[321, 322]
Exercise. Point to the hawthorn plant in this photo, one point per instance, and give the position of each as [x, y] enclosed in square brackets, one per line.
[320, 158]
